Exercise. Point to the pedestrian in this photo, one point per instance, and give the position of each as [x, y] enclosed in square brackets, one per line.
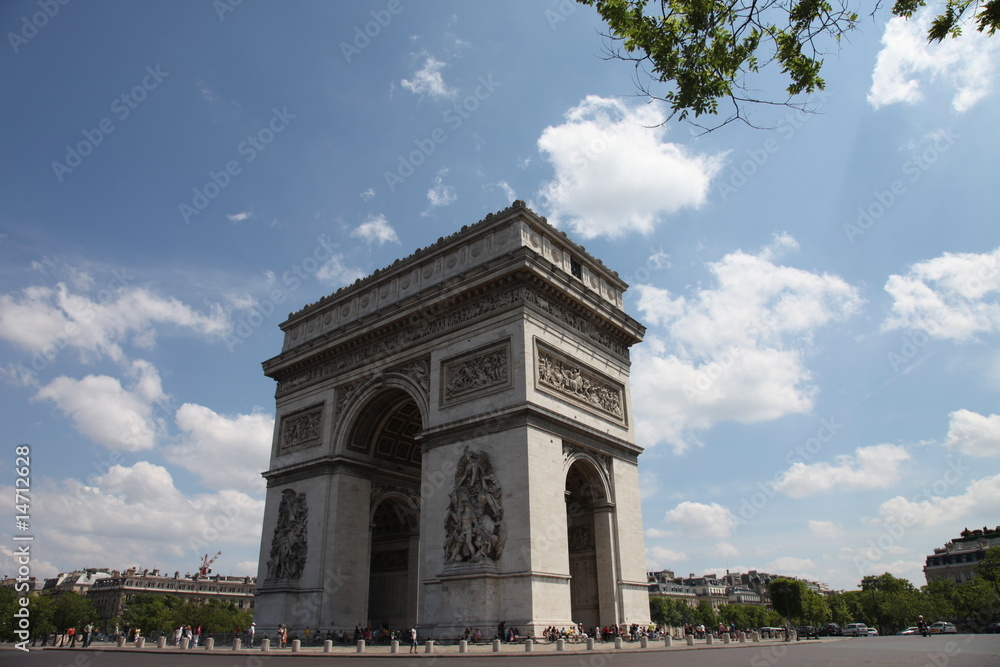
[413, 639]
[251, 631]
[71, 633]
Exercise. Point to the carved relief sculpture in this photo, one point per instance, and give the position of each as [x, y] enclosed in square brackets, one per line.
[288, 546]
[301, 429]
[474, 527]
[584, 386]
[476, 373]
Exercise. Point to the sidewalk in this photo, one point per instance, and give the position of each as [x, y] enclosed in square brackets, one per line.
[454, 649]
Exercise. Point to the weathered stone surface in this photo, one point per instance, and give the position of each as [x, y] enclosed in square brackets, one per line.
[454, 446]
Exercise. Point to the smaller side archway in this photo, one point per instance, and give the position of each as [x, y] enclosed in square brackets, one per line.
[590, 544]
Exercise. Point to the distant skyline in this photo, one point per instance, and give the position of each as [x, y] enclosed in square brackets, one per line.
[817, 391]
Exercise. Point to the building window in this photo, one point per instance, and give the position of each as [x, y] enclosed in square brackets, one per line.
[575, 269]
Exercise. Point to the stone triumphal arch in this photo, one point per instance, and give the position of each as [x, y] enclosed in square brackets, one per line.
[454, 444]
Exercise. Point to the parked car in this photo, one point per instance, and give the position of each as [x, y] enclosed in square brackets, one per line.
[855, 630]
[993, 627]
[873, 632]
[806, 631]
[829, 630]
[912, 630]
[942, 628]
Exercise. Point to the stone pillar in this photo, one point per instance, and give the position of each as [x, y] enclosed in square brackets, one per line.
[667, 641]
[361, 646]
[140, 642]
[743, 637]
[590, 643]
[709, 639]
[725, 638]
[238, 644]
[560, 644]
[210, 644]
[161, 642]
[265, 645]
[429, 646]
[121, 642]
[644, 642]
[394, 647]
[328, 646]
[690, 640]
[496, 645]
[618, 642]
[528, 645]
[184, 642]
[463, 646]
[755, 636]
[296, 644]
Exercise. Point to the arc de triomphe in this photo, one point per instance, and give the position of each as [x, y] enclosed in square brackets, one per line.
[454, 445]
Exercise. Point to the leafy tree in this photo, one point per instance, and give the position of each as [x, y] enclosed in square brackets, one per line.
[668, 611]
[41, 607]
[150, 612]
[8, 606]
[72, 610]
[989, 568]
[787, 596]
[705, 614]
[706, 49]
[815, 610]
[888, 602]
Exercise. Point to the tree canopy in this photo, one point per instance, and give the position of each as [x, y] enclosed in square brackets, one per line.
[706, 50]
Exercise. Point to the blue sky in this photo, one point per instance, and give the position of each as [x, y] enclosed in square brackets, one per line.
[817, 391]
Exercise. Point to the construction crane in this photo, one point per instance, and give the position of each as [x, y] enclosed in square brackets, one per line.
[205, 562]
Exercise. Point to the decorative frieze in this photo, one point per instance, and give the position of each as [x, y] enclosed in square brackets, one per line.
[433, 327]
[475, 373]
[301, 429]
[571, 379]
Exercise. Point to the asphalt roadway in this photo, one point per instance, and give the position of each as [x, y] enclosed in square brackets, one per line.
[939, 651]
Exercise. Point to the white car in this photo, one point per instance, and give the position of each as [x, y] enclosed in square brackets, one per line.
[942, 628]
[873, 632]
[855, 630]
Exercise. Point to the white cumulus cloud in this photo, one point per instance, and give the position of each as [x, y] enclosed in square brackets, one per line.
[875, 467]
[702, 520]
[974, 434]
[109, 414]
[616, 173]
[376, 229]
[977, 504]
[224, 451]
[908, 61]
[428, 80]
[954, 296]
[734, 351]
